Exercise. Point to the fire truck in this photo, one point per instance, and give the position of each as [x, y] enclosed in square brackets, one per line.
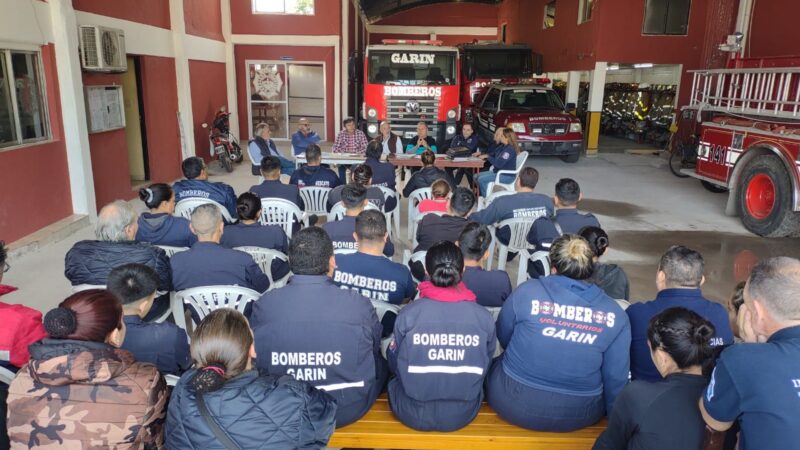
[484, 63]
[411, 81]
[744, 122]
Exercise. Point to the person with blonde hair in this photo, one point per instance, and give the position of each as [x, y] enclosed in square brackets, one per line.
[440, 193]
[567, 347]
[219, 403]
[505, 158]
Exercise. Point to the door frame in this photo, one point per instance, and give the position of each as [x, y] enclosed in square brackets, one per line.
[137, 67]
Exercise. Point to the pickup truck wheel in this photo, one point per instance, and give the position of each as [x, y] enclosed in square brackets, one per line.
[711, 187]
[571, 158]
[765, 198]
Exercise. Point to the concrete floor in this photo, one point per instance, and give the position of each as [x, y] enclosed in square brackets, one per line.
[642, 206]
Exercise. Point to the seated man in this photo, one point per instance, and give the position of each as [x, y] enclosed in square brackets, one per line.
[679, 277]
[370, 273]
[196, 185]
[272, 187]
[349, 140]
[342, 232]
[209, 264]
[756, 384]
[90, 262]
[566, 220]
[467, 139]
[421, 142]
[164, 344]
[303, 137]
[313, 174]
[316, 332]
[262, 146]
[524, 204]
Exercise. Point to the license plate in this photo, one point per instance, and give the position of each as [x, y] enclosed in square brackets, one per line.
[409, 134]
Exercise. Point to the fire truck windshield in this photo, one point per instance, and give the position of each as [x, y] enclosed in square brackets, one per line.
[498, 63]
[412, 68]
[530, 99]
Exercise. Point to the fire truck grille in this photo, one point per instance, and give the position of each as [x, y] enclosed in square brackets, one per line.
[548, 129]
[403, 115]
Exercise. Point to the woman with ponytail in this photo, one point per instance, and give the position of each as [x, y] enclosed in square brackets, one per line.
[225, 404]
[664, 415]
[159, 226]
[609, 277]
[491, 287]
[362, 176]
[567, 347]
[441, 350]
[80, 390]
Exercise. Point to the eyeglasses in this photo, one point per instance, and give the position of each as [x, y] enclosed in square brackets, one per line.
[6, 267]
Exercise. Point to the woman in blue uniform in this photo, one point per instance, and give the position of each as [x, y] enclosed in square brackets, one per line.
[159, 226]
[567, 347]
[442, 347]
[505, 158]
[491, 287]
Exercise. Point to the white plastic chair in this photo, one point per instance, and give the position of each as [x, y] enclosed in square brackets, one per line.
[85, 287]
[542, 257]
[315, 199]
[171, 380]
[518, 242]
[484, 203]
[381, 308]
[264, 257]
[415, 225]
[624, 304]
[172, 250]
[6, 376]
[338, 211]
[185, 207]
[413, 203]
[521, 158]
[277, 211]
[416, 257]
[494, 311]
[392, 217]
[209, 298]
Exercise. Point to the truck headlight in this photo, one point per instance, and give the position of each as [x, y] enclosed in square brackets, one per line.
[451, 114]
[372, 113]
[451, 130]
[575, 127]
[372, 128]
[517, 127]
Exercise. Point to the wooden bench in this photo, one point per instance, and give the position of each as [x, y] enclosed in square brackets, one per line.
[380, 429]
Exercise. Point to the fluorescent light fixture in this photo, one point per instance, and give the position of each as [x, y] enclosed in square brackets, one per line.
[643, 65]
[613, 67]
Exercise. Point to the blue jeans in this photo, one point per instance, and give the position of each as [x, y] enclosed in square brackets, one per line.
[484, 178]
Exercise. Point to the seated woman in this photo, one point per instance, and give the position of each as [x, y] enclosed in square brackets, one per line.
[504, 158]
[249, 232]
[361, 175]
[491, 287]
[159, 226]
[567, 347]
[224, 403]
[79, 389]
[427, 175]
[438, 385]
[440, 194]
[609, 277]
[664, 415]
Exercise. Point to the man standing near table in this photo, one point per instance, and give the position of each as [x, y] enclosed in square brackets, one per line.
[349, 140]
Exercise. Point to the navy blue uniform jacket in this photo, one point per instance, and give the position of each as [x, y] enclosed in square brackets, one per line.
[210, 264]
[315, 176]
[504, 158]
[425, 178]
[316, 332]
[164, 345]
[491, 287]
[543, 232]
[219, 192]
[374, 277]
[460, 141]
[565, 336]
[165, 229]
[374, 196]
[89, 262]
[522, 204]
[276, 189]
[341, 233]
[257, 235]
[382, 173]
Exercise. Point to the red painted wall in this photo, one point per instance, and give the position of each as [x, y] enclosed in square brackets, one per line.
[773, 29]
[327, 20]
[453, 14]
[160, 98]
[274, 53]
[203, 18]
[21, 184]
[207, 80]
[150, 12]
[447, 39]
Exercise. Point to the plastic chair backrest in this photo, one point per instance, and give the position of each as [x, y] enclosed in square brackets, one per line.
[494, 311]
[387, 193]
[495, 195]
[419, 195]
[185, 207]
[172, 250]
[521, 158]
[338, 211]
[209, 298]
[315, 199]
[624, 304]
[264, 257]
[418, 257]
[519, 228]
[277, 211]
[382, 307]
[6, 376]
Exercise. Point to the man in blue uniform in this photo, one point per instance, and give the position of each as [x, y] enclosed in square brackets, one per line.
[758, 383]
[209, 264]
[383, 173]
[467, 139]
[312, 174]
[679, 277]
[342, 232]
[272, 187]
[524, 204]
[316, 332]
[303, 137]
[262, 146]
[196, 185]
[163, 344]
[566, 220]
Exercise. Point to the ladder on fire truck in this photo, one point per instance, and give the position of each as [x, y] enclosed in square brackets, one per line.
[763, 92]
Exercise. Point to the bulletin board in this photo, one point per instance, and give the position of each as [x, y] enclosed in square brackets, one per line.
[104, 108]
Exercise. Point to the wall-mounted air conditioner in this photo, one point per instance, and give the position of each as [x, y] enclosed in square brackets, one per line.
[102, 49]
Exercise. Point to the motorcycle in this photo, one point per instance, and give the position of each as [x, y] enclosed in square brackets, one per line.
[222, 143]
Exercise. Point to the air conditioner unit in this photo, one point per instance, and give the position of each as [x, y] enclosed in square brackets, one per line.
[103, 49]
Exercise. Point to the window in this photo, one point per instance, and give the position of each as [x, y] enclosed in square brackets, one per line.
[23, 116]
[530, 100]
[491, 99]
[666, 17]
[550, 14]
[301, 7]
[503, 29]
[412, 68]
[585, 8]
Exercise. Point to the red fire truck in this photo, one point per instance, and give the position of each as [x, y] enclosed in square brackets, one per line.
[484, 63]
[411, 81]
[745, 124]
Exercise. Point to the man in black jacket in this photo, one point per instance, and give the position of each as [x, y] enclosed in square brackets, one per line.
[90, 262]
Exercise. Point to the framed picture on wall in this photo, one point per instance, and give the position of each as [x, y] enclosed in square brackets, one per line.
[104, 107]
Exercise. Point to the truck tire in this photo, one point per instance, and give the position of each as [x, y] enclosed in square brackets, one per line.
[571, 158]
[711, 187]
[765, 198]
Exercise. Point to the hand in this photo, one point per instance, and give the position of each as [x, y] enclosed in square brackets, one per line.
[476, 155]
[483, 156]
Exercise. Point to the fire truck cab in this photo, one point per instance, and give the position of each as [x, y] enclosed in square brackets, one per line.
[411, 81]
